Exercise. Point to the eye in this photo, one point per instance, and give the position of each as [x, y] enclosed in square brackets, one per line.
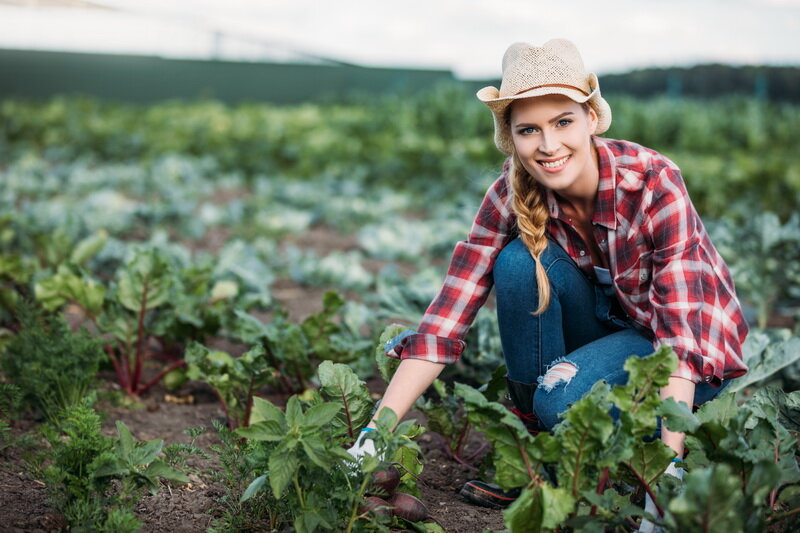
[564, 122]
[526, 131]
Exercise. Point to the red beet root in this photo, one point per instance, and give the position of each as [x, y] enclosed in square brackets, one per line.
[408, 507]
[376, 506]
[385, 482]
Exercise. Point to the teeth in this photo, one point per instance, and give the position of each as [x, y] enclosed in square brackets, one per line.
[554, 164]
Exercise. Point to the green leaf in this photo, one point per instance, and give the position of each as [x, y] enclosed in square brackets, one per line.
[772, 360]
[146, 281]
[266, 430]
[146, 452]
[651, 459]
[340, 386]
[88, 248]
[709, 501]
[539, 508]
[586, 429]
[283, 464]
[677, 416]
[160, 469]
[319, 415]
[316, 451]
[387, 365]
[256, 486]
[125, 443]
[65, 287]
[109, 467]
[294, 412]
[266, 410]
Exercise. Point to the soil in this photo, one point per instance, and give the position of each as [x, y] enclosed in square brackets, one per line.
[194, 506]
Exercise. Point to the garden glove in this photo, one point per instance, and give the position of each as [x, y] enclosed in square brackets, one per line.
[650, 506]
[363, 445]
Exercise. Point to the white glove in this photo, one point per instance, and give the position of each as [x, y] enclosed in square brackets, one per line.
[363, 445]
[650, 506]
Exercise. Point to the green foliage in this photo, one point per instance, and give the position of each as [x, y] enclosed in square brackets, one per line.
[235, 379]
[301, 452]
[570, 468]
[85, 465]
[10, 397]
[291, 350]
[387, 365]
[446, 417]
[136, 463]
[742, 460]
[52, 366]
[765, 259]
[768, 355]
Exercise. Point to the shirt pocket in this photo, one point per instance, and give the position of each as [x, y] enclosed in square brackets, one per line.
[634, 282]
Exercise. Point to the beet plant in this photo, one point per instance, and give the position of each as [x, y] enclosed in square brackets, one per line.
[149, 310]
[591, 471]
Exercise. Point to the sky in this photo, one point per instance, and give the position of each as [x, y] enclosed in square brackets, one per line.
[465, 36]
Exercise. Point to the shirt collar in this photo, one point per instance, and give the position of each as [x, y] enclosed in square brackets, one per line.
[605, 208]
[605, 212]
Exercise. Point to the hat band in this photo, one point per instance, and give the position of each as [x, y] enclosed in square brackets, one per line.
[553, 85]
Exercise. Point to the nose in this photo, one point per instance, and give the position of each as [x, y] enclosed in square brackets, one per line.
[549, 143]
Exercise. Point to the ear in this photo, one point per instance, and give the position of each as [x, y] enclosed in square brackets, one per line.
[592, 114]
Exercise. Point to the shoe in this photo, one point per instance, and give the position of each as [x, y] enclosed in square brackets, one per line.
[521, 395]
[485, 494]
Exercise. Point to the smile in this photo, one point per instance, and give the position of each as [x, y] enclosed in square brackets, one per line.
[555, 164]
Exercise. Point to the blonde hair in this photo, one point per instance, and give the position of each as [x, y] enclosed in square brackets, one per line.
[532, 215]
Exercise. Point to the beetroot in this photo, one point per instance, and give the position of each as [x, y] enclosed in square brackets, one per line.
[375, 505]
[384, 482]
[408, 507]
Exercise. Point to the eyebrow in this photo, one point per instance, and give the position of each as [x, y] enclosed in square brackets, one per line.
[551, 121]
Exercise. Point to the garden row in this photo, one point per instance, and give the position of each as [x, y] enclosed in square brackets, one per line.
[148, 244]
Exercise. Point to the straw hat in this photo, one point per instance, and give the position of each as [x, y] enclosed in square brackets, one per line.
[528, 71]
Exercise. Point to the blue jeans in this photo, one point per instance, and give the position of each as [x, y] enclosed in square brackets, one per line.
[581, 338]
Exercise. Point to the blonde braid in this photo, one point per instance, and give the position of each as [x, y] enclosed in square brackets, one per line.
[532, 216]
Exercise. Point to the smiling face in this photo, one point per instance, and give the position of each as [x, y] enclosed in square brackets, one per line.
[552, 138]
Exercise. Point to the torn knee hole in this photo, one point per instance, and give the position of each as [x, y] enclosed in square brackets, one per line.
[559, 372]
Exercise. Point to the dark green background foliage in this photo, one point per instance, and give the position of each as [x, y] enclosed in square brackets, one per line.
[732, 150]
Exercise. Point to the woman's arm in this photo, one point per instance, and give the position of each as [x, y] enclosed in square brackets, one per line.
[682, 390]
[412, 378]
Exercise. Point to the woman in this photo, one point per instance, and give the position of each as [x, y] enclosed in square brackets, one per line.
[594, 249]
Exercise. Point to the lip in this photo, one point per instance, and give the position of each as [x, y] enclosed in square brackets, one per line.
[557, 169]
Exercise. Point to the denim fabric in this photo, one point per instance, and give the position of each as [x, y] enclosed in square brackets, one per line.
[583, 335]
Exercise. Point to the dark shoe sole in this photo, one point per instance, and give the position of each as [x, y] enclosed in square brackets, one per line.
[480, 494]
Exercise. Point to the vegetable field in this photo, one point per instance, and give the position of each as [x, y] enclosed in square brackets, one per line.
[194, 299]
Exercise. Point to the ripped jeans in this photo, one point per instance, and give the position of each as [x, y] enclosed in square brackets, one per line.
[581, 338]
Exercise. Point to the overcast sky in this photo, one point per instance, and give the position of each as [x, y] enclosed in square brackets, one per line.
[467, 36]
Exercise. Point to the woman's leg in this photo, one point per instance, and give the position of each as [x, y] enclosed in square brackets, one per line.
[532, 342]
[602, 359]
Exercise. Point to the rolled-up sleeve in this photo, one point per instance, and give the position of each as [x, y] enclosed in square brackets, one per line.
[440, 335]
[694, 308]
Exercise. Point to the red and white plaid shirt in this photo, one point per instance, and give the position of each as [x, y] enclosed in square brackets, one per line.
[668, 277]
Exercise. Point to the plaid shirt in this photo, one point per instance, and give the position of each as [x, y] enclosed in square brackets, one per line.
[668, 277]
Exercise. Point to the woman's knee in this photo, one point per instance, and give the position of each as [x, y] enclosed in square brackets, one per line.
[553, 394]
[514, 263]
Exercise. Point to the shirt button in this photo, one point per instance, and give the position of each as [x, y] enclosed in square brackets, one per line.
[583, 253]
[643, 276]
